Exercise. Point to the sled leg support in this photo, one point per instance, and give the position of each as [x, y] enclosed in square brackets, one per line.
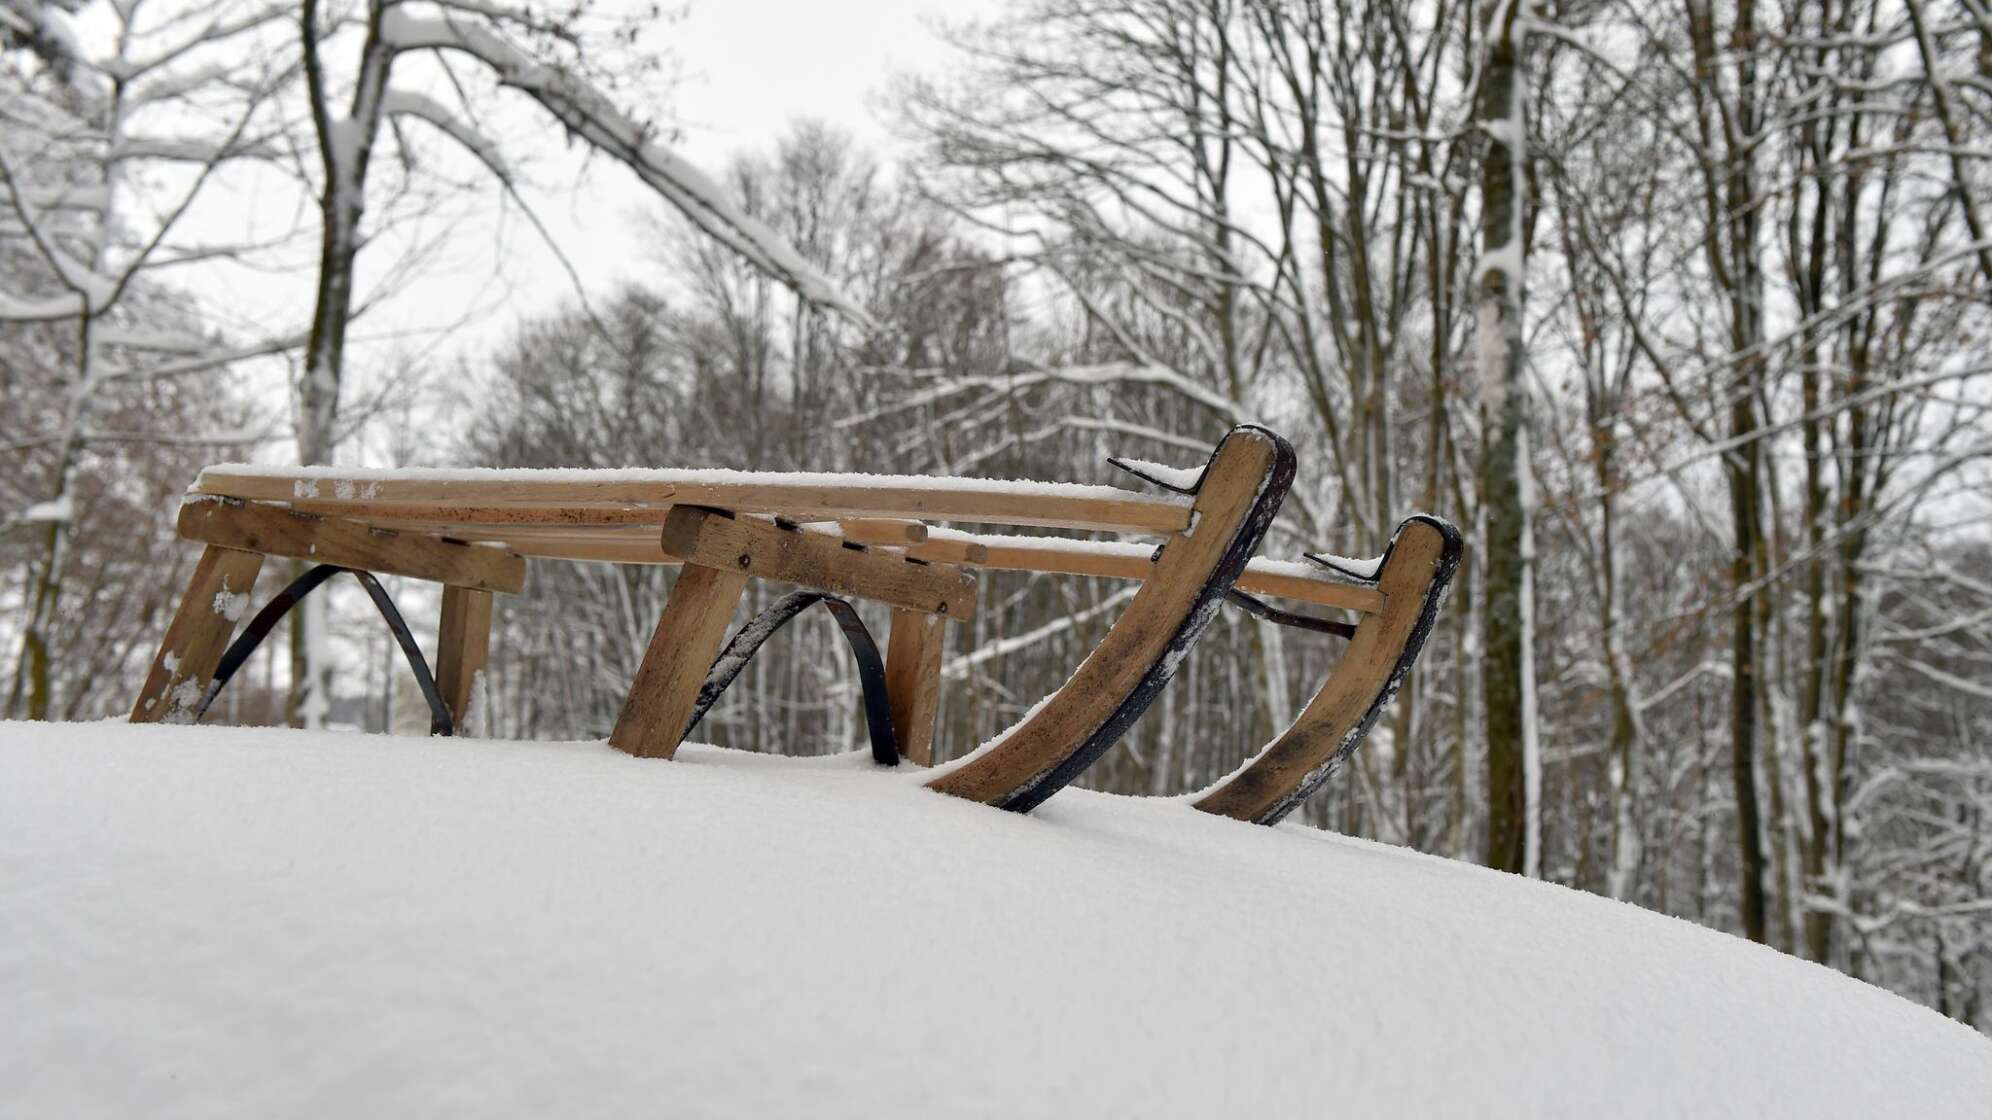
[215, 598]
[463, 647]
[1416, 570]
[1238, 494]
[913, 680]
[721, 551]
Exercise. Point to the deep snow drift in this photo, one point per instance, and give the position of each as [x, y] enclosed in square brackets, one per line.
[218, 921]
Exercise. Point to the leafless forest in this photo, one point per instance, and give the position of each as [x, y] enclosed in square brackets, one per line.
[1680, 309]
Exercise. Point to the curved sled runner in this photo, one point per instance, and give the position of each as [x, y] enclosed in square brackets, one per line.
[1235, 500]
[1413, 576]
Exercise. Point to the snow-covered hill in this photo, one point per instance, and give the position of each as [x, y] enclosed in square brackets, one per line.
[236, 922]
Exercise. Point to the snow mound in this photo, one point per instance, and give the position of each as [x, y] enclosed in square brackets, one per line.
[240, 922]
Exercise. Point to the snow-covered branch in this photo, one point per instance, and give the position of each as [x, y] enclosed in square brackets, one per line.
[593, 117]
[408, 103]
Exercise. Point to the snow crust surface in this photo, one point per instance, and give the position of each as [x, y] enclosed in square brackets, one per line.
[217, 921]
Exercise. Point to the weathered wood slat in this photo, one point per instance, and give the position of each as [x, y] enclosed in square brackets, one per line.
[450, 514]
[1134, 562]
[895, 531]
[1087, 558]
[626, 548]
[602, 549]
[275, 531]
[1265, 580]
[947, 551]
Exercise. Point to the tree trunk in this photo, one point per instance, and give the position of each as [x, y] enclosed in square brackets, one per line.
[345, 147]
[1513, 838]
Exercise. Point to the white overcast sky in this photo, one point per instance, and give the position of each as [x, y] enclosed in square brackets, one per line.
[749, 67]
[745, 69]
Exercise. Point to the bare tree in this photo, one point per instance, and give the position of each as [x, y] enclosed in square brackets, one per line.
[73, 155]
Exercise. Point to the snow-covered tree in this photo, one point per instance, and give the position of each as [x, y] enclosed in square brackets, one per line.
[102, 158]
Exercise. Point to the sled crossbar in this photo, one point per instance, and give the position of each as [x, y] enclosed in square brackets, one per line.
[277, 531]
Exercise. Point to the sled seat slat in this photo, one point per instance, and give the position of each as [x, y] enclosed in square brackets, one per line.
[619, 497]
[1127, 560]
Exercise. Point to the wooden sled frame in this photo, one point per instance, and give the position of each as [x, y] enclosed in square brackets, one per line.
[839, 535]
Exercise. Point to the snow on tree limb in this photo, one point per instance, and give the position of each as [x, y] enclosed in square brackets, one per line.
[25, 309]
[216, 30]
[407, 103]
[204, 362]
[169, 149]
[590, 115]
[87, 288]
[1949, 680]
[45, 30]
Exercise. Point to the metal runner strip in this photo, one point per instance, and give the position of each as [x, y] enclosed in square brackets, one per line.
[871, 667]
[280, 605]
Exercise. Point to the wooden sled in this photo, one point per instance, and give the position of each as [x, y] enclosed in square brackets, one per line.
[838, 536]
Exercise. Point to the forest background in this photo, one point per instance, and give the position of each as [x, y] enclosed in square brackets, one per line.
[1679, 309]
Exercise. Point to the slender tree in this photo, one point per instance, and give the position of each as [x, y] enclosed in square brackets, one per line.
[1514, 775]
